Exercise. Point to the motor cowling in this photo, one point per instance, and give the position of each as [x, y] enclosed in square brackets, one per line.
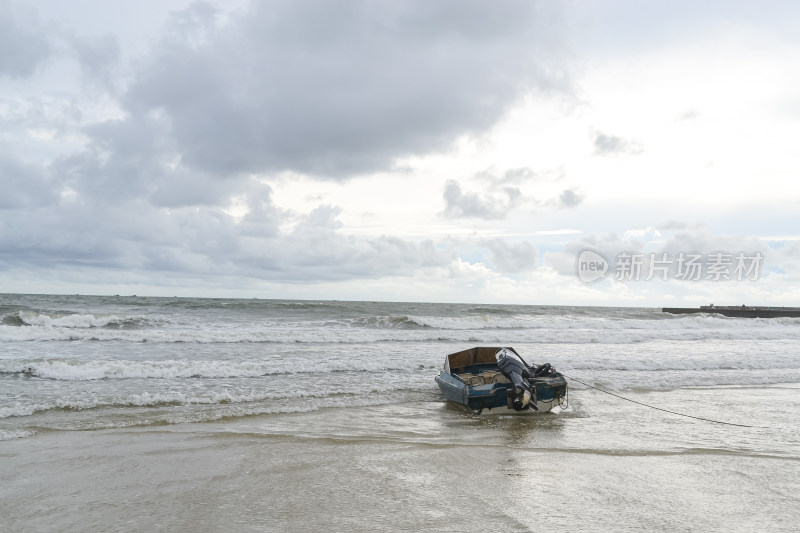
[519, 374]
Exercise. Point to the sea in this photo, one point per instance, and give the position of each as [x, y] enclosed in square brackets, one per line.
[131, 413]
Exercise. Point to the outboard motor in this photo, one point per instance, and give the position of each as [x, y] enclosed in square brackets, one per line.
[518, 373]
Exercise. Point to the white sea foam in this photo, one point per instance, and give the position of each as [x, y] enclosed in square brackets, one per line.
[289, 400]
[10, 434]
[210, 411]
[528, 330]
[609, 328]
[80, 320]
[594, 360]
[75, 370]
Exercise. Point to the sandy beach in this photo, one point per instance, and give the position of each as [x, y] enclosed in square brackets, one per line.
[421, 467]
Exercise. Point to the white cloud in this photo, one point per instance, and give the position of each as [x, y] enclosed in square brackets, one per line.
[570, 198]
[512, 258]
[459, 204]
[606, 144]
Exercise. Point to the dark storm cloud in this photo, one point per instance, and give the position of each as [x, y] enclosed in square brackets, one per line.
[331, 89]
[135, 159]
[24, 40]
[335, 89]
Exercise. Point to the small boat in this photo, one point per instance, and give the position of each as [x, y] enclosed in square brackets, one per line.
[498, 380]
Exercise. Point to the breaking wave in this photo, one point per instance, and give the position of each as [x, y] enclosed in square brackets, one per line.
[476, 324]
[265, 402]
[569, 330]
[71, 370]
[68, 320]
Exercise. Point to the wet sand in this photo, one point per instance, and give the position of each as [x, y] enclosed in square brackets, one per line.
[426, 466]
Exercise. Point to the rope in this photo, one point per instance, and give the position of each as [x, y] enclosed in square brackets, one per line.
[657, 408]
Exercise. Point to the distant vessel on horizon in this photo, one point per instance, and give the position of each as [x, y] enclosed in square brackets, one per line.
[744, 311]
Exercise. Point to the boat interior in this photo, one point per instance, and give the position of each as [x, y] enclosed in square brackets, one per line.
[484, 378]
[476, 366]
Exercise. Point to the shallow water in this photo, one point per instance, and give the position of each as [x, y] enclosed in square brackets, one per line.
[143, 413]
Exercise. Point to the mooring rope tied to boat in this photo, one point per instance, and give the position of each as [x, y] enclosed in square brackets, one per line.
[657, 408]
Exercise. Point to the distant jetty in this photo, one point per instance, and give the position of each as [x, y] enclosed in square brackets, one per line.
[745, 311]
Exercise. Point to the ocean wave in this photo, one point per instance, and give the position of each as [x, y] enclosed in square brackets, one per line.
[381, 322]
[206, 412]
[575, 327]
[72, 370]
[69, 320]
[145, 399]
[257, 402]
[290, 334]
[655, 362]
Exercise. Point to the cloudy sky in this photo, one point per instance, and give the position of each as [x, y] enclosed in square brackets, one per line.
[455, 151]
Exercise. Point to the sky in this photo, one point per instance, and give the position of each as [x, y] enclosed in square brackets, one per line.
[619, 153]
